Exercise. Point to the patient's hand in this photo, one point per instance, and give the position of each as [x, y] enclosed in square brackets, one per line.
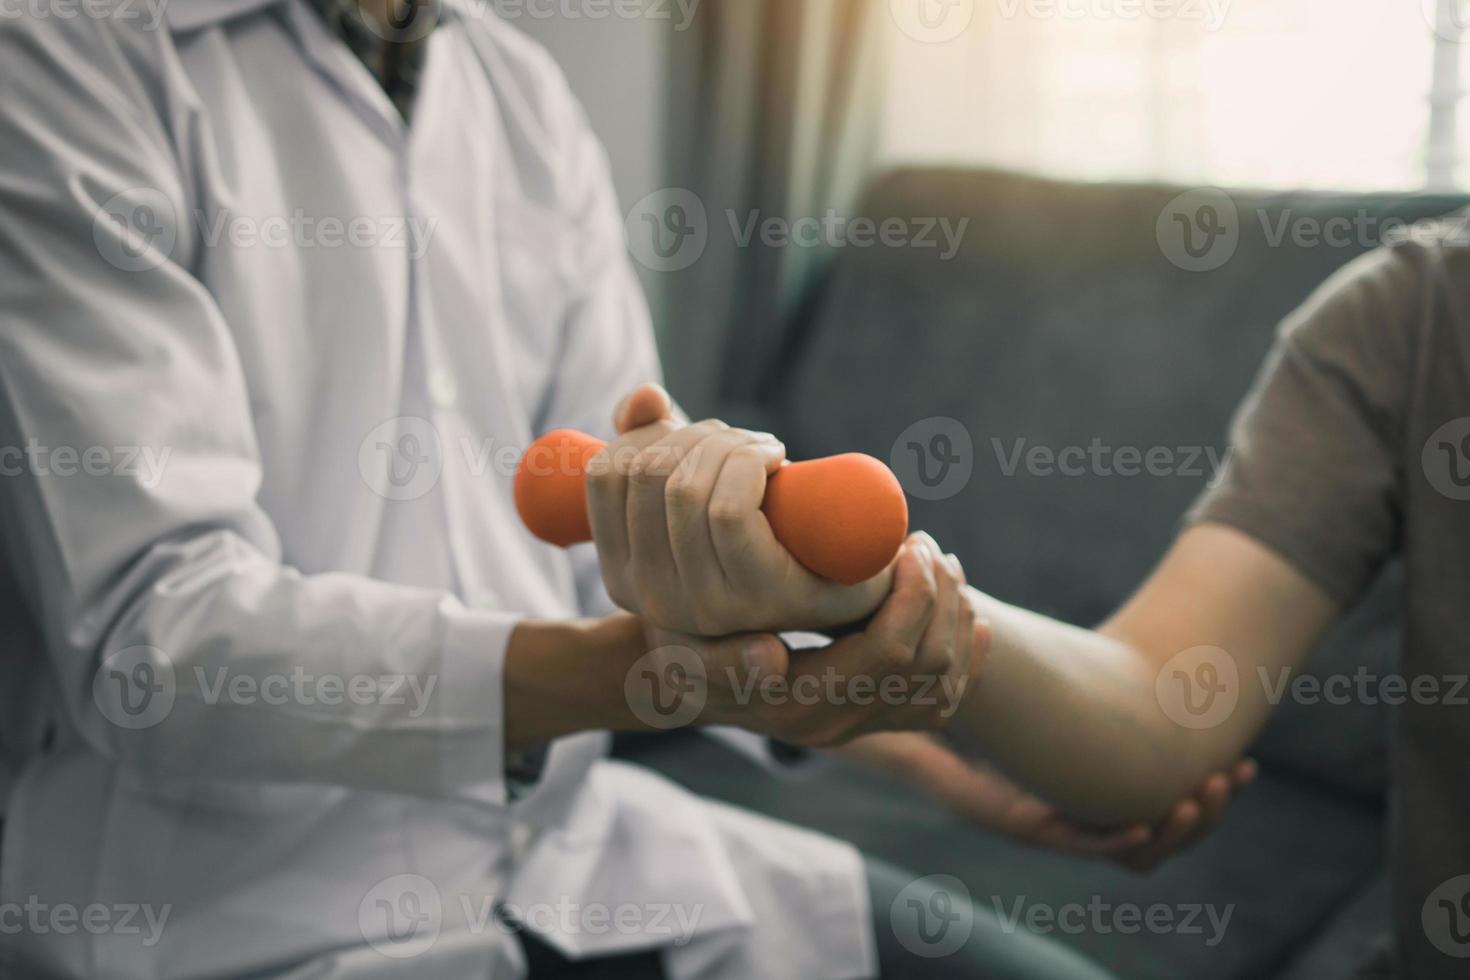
[987, 798]
[906, 670]
[676, 514]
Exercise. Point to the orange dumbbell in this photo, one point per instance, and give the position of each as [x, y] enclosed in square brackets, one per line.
[844, 517]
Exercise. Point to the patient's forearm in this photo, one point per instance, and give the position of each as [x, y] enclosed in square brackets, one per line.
[1073, 714]
[1115, 725]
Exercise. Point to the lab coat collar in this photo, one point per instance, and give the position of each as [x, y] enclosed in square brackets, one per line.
[326, 52]
[330, 57]
[190, 15]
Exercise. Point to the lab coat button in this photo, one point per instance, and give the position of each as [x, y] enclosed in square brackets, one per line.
[443, 389]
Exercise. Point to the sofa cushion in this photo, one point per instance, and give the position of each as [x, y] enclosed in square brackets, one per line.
[1275, 873]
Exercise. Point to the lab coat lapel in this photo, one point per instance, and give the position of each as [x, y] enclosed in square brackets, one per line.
[336, 62]
[324, 52]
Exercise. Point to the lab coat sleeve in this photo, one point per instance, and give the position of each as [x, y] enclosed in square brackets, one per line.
[154, 589]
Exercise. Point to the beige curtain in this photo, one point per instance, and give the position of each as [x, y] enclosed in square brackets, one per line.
[775, 113]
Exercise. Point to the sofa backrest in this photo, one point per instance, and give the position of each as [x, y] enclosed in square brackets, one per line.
[1060, 322]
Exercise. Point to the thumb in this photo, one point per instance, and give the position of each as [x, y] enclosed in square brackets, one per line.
[766, 654]
[749, 654]
[644, 406]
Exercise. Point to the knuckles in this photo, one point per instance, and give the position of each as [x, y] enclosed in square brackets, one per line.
[618, 593]
[652, 466]
[682, 495]
[726, 514]
[895, 657]
[945, 657]
[601, 474]
[927, 600]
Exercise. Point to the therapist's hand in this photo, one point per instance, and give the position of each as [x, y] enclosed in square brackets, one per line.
[681, 538]
[907, 670]
[985, 797]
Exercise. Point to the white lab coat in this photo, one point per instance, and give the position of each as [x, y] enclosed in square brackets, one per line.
[219, 245]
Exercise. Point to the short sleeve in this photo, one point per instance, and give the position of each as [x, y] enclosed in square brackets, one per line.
[1315, 465]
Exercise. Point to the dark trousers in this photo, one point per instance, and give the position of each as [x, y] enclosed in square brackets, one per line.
[545, 963]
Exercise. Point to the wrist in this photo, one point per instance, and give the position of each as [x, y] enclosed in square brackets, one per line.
[566, 677]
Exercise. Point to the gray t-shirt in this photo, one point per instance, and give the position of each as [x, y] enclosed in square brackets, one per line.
[1354, 448]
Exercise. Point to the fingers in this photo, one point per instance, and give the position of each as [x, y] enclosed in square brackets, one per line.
[1095, 844]
[971, 642]
[1170, 837]
[644, 406]
[688, 494]
[1214, 800]
[916, 637]
[968, 638]
[1215, 796]
[746, 547]
[725, 664]
[749, 656]
[890, 646]
[948, 633]
[984, 637]
[649, 542]
[674, 488]
[607, 505]
[903, 620]
[1191, 820]
[765, 655]
[889, 643]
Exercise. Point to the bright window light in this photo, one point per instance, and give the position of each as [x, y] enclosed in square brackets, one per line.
[1331, 94]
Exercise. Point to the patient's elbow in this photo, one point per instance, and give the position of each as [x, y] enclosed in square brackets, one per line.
[1144, 782]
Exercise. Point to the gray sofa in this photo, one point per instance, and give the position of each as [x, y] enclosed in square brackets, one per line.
[1061, 322]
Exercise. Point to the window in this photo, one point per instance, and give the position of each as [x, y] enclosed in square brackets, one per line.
[1333, 94]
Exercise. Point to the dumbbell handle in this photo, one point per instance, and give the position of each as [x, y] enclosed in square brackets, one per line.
[844, 517]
